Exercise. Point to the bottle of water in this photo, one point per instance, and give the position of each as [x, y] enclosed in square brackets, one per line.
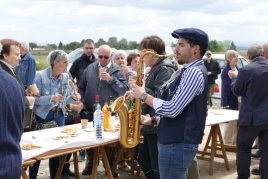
[98, 122]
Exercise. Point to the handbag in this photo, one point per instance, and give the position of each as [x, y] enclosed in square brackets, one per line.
[39, 125]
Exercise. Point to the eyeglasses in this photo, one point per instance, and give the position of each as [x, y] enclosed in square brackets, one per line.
[105, 57]
[208, 54]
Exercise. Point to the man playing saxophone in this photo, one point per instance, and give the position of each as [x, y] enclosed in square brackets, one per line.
[181, 109]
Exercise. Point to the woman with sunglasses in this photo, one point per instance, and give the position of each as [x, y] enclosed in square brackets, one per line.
[53, 87]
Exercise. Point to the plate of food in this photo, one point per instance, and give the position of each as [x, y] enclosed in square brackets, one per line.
[90, 129]
[69, 129]
[29, 146]
[73, 134]
[61, 137]
[111, 130]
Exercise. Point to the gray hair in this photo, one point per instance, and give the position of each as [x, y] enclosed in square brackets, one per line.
[254, 51]
[56, 55]
[25, 45]
[119, 52]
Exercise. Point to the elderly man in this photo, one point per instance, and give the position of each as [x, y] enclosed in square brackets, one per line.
[251, 85]
[182, 106]
[213, 69]
[256, 171]
[112, 82]
[26, 69]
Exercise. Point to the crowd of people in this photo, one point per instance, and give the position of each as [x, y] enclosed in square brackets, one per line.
[174, 102]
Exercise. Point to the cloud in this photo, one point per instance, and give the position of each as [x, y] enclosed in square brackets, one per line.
[67, 21]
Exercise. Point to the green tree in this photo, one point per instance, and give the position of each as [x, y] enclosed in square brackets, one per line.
[173, 44]
[82, 42]
[233, 46]
[226, 44]
[100, 42]
[60, 45]
[112, 42]
[215, 46]
[122, 44]
[132, 45]
[32, 45]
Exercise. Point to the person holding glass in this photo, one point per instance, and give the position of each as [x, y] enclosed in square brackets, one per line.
[53, 86]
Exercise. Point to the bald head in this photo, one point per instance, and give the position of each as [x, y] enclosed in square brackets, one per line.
[265, 50]
[104, 54]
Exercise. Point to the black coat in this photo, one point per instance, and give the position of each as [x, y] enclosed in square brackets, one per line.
[214, 69]
[251, 84]
[157, 77]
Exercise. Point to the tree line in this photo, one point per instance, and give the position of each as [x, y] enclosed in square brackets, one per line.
[218, 46]
[124, 44]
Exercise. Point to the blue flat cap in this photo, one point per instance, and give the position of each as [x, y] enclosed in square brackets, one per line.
[195, 35]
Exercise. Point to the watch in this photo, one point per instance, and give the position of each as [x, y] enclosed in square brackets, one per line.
[143, 97]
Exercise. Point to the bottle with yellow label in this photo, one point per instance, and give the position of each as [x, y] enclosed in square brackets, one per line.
[106, 116]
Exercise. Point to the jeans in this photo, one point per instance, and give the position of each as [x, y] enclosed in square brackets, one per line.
[245, 138]
[53, 162]
[175, 159]
[148, 156]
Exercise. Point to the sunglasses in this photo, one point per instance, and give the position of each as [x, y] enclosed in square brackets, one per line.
[57, 52]
[105, 57]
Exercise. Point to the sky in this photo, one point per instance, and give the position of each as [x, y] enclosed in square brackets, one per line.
[45, 21]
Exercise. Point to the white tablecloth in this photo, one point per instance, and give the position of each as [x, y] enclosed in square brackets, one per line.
[44, 138]
[221, 116]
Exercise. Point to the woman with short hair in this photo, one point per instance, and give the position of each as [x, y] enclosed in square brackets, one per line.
[53, 87]
[228, 99]
[9, 59]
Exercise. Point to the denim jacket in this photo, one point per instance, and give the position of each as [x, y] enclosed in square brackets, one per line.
[26, 70]
[46, 86]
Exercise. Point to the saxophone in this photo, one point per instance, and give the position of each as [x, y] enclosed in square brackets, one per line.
[130, 120]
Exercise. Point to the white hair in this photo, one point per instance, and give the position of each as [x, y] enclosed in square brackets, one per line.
[25, 45]
[119, 52]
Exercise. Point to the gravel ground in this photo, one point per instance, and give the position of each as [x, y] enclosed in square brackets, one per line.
[220, 171]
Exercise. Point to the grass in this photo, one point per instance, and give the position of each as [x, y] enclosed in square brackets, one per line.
[41, 62]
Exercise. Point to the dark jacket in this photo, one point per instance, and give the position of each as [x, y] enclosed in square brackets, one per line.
[11, 126]
[214, 68]
[79, 65]
[227, 96]
[157, 77]
[187, 127]
[91, 85]
[251, 84]
[27, 113]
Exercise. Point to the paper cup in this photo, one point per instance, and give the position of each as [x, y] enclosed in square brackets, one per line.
[84, 123]
[101, 70]
[34, 89]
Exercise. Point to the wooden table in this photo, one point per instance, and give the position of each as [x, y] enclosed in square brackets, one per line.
[214, 141]
[69, 147]
[26, 163]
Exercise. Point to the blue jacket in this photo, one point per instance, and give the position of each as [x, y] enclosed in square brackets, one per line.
[227, 96]
[187, 127]
[26, 69]
[46, 86]
[251, 84]
[11, 126]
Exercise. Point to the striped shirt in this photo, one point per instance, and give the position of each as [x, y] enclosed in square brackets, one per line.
[192, 83]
